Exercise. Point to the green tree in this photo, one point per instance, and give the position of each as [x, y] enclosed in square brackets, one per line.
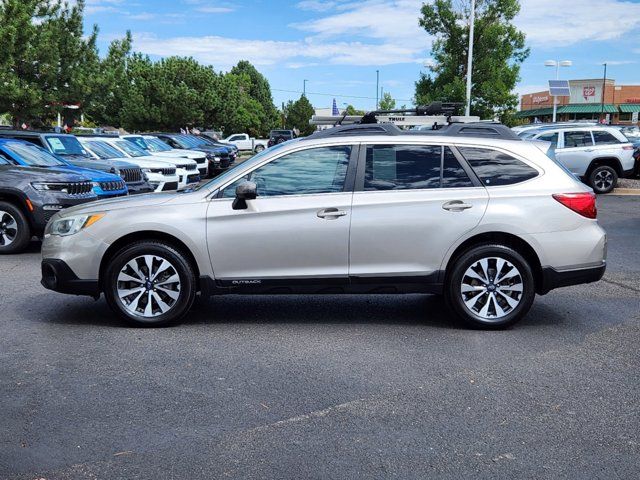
[168, 94]
[46, 60]
[351, 110]
[259, 90]
[387, 102]
[298, 114]
[112, 83]
[499, 49]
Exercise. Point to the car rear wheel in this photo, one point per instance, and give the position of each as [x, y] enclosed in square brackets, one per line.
[490, 286]
[150, 284]
[258, 148]
[603, 179]
[15, 232]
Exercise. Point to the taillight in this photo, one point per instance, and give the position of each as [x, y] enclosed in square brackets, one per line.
[582, 203]
[627, 147]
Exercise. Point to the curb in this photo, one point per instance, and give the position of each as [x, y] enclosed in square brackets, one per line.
[625, 191]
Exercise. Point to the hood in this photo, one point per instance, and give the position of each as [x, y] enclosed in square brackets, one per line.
[151, 162]
[110, 166]
[94, 175]
[131, 202]
[37, 174]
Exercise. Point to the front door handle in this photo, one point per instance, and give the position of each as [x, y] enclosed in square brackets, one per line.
[456, 206]
[331, 213]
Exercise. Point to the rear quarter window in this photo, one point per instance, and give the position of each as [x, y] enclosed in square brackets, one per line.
[605, 138]
[495, 168]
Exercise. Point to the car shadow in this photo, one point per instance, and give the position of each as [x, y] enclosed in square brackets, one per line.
[427, 310]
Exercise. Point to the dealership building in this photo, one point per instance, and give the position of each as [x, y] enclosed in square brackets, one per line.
[621, 103]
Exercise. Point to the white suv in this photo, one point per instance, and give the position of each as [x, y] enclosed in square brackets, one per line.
[162, 176]
[597, 154]
[470, 212]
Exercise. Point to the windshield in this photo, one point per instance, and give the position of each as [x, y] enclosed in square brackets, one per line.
[631, 132]
[281, 132]
[233, 171]
[191, 141]
[139, 141]
[33, 155]
[130, 148]
[103, 150]
[65, 145]
[528, 134]
[157, 145]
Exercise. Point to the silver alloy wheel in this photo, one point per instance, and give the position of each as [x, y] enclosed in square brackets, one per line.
[491, 288]
[603, 180]
[148, 286]
[8, 228]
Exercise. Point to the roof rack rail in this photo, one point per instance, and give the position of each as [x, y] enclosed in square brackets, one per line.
[437, 118]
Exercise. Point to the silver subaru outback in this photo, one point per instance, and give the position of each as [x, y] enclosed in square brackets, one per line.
[470, 212]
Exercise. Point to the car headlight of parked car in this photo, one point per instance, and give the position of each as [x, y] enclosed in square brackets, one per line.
[72, 225]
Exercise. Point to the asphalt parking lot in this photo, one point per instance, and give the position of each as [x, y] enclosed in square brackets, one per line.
[325, 387]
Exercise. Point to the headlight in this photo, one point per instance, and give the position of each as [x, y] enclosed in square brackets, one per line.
[48, 186]
[146, 170]
[72, 225]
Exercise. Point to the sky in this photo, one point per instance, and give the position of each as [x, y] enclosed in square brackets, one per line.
[338, 45]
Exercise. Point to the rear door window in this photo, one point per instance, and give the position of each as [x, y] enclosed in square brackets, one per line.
[496, 168]
[577, 139]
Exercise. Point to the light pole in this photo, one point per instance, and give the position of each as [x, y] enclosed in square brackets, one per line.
[604, 83]
[557, 64]
[304, 88]
[377, 87]
[472, 21]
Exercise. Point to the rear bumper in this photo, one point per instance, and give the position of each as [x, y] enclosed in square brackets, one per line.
[58, 276]
[552, 278]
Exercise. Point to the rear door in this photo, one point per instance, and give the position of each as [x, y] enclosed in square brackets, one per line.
[412, 202]
[576, 150]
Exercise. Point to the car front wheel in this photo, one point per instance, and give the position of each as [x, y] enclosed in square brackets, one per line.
[15, 232]
[150, 284]
[259, 148]
[490, 286]
[603, 179]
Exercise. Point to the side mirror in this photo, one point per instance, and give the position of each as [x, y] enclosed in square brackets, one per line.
[245, 191]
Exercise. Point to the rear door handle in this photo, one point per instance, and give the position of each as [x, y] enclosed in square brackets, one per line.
[331, 213]
[456, 206]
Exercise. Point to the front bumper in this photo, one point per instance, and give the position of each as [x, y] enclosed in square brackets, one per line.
[137, 188]
[58, 276]
[552, 278]
[46, 205]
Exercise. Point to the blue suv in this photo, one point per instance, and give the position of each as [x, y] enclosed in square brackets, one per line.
[20, 152]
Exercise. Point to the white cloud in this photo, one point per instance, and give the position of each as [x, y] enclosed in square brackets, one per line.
[551, 24]
[390, 21]
[212, 9]
[316, 5]
[223, 52]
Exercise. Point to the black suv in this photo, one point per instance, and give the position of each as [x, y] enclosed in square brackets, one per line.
[71, 150]
[219, 157]
[29, 196]
[279, 136]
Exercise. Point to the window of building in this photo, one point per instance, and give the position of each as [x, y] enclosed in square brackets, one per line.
[495, 168]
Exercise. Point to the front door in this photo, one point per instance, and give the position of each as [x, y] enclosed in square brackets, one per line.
[412, 203]
[297, 229]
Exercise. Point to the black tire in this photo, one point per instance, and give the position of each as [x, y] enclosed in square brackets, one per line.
[15, 232]
[457, 273]
[281, 140]
[179, 263]
[603, 179]
[258, 148]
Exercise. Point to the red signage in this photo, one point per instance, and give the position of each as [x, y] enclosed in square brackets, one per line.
[632, 100]
[540, 99]
[588, 92]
